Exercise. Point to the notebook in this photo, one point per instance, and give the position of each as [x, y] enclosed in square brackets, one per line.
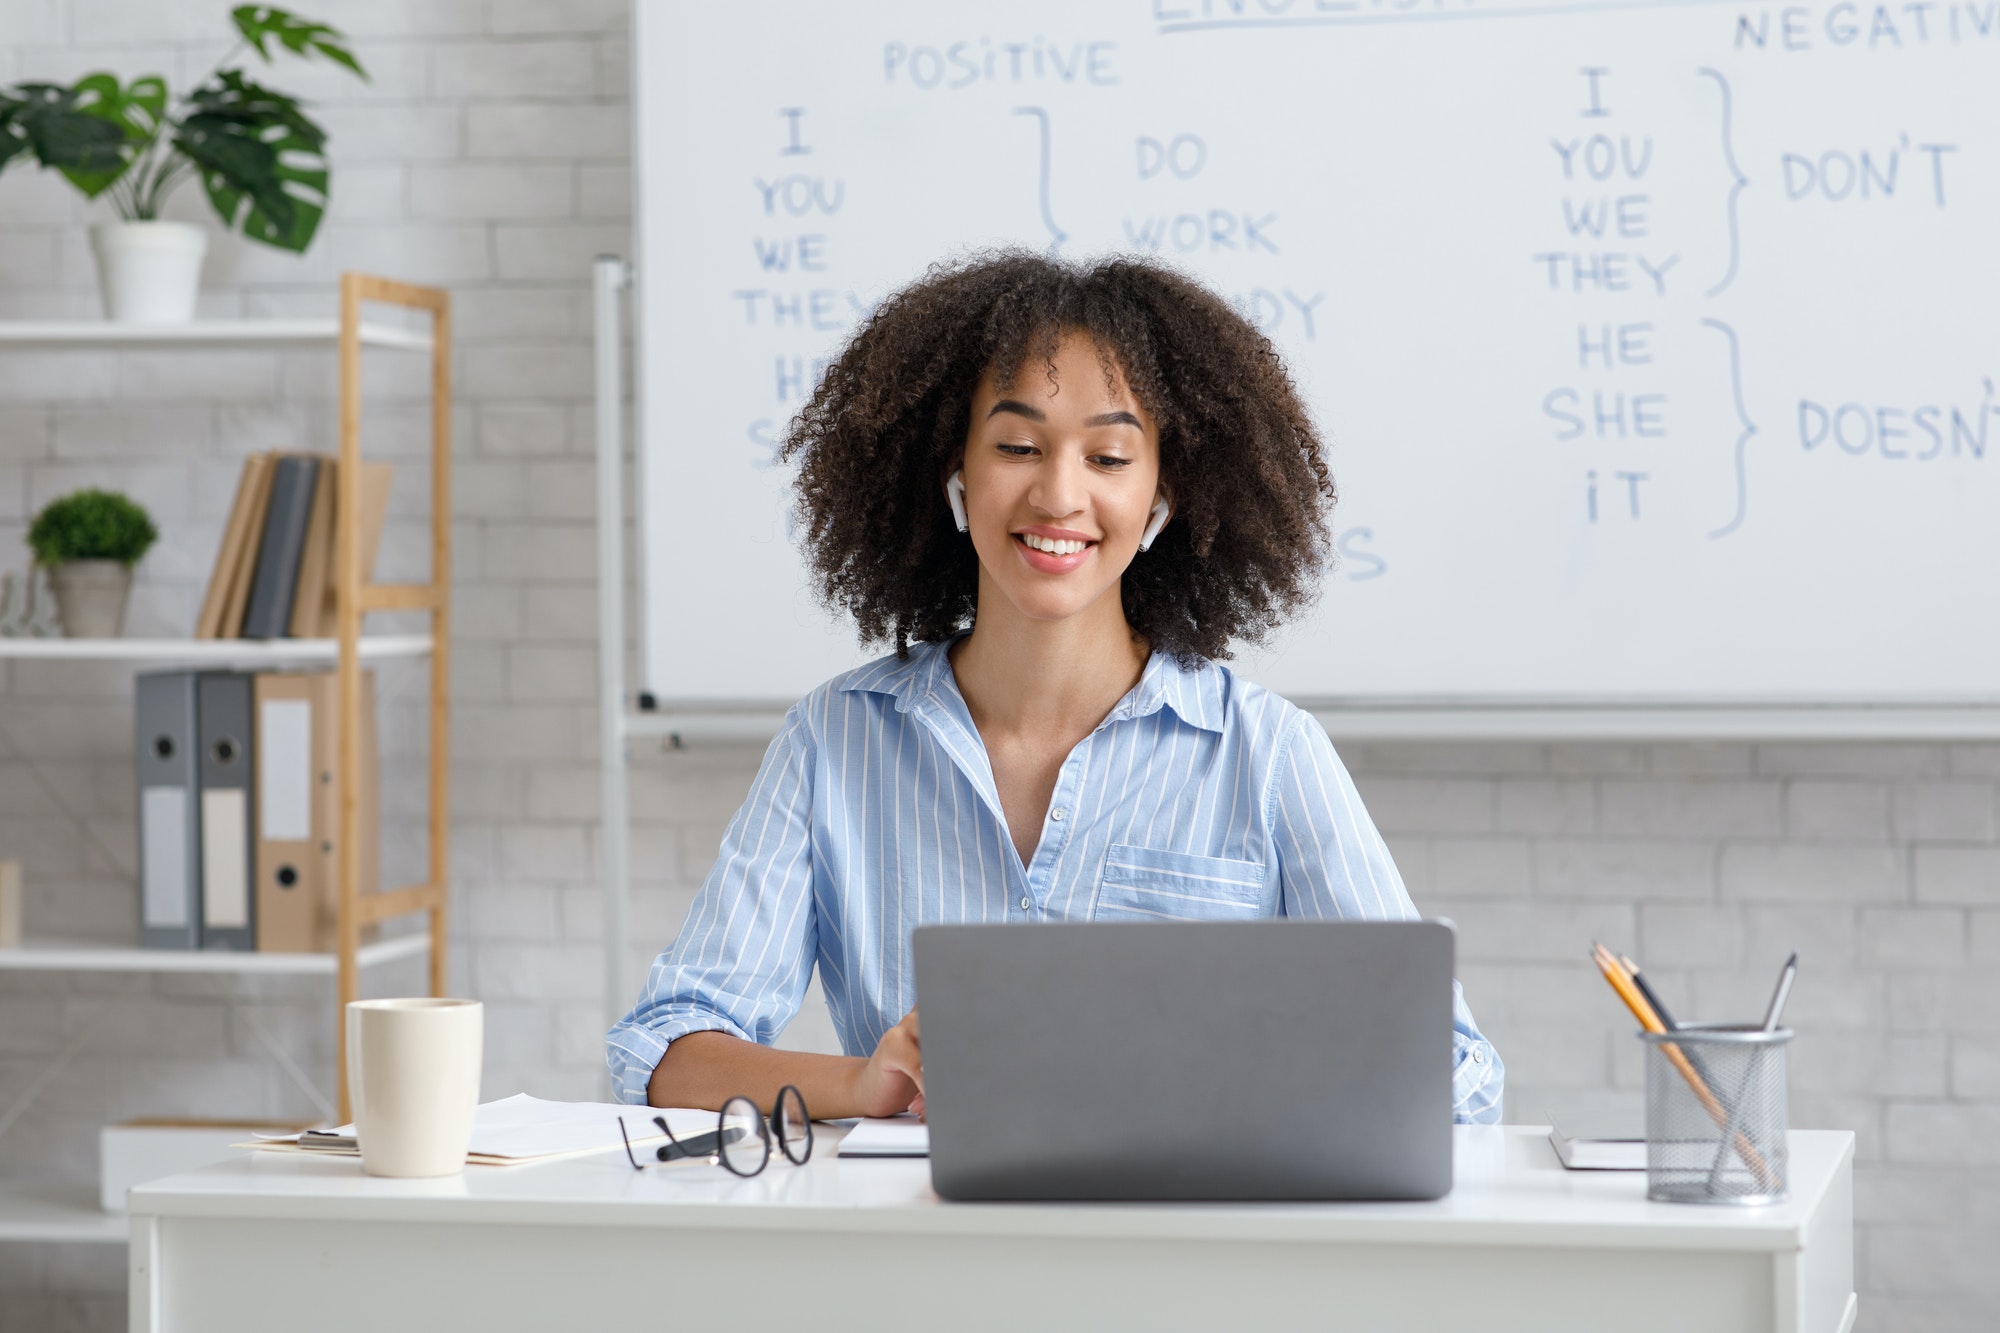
[1599, 1136]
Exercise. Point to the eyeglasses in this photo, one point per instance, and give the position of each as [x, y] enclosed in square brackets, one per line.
[742, 1138]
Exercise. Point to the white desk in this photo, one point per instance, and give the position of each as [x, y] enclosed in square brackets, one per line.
[279, 1241]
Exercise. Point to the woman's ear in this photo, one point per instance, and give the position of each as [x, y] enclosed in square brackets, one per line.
[954, 495]
[1163, 510]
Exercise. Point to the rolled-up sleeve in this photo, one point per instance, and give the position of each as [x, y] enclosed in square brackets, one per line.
[744, 955]
[1333, 864]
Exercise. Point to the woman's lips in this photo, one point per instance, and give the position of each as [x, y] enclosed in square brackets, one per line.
[1046, 563]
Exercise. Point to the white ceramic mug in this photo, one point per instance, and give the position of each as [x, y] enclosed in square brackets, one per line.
[413, 1077]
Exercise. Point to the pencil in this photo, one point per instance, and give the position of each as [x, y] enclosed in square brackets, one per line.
[1652, 996]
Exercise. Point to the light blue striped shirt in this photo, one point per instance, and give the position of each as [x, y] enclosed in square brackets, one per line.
[1200, 795]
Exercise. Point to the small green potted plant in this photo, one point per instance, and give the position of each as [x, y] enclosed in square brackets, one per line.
[88, 541]
[261, 160]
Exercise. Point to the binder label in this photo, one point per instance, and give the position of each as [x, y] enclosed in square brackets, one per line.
[225, 878]
[163, 816]
[284, 769]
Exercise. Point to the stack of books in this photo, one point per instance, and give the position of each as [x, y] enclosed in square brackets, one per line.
[275, 572]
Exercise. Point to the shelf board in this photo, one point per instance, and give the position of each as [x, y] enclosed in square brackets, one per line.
[30, 1210]
[60, 956]
[212, 652]
[242, 334]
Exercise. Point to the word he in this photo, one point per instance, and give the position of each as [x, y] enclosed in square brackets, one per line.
[1219, 229]
[962, 64]
[1838, 175]
[826, 309]
[1609, 271]
[1917, 434]
[1870, 25]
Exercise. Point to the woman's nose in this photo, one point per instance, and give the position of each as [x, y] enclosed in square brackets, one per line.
[1059, 489]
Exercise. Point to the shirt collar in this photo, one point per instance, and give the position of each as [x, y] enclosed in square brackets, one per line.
[1196, 697]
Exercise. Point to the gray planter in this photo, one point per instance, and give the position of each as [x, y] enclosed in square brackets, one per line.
[90, 597]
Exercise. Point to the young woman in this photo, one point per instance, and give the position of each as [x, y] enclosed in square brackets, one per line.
[1062, 493]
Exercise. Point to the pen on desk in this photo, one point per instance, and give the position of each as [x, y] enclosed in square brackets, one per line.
[1783, 993]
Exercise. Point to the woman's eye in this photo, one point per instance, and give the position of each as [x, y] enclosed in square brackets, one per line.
[1016, 450]
[1107, 461]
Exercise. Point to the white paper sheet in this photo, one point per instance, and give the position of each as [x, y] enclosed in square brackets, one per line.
[898, 1136]
[523, 1129]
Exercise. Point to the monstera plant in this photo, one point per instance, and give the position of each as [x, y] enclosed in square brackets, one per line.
[259, 157]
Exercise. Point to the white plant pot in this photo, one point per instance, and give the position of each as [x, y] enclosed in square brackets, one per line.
[90, 597]
[149, 271]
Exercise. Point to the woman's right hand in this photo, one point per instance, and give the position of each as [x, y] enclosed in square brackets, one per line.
[893, 1079]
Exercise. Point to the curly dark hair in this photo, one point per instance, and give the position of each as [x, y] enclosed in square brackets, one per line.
[1238, 451]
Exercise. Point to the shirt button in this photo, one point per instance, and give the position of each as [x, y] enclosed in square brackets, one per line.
[1478, 1057]
[1057, 814]
[1026, 902]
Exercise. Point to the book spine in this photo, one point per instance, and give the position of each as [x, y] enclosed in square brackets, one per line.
[269, 615]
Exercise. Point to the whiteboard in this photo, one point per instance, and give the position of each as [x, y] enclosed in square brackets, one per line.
[1656, 343]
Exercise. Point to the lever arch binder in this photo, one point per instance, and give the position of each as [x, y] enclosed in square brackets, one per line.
[170, 868]
[223, 719]
[298, 807]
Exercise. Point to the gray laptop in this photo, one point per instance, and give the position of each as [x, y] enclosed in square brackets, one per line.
[1188, 1060]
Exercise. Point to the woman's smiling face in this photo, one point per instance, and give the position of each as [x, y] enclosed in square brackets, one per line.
[1061, 472]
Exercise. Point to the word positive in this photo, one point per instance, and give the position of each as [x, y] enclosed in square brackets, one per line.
[983, 60]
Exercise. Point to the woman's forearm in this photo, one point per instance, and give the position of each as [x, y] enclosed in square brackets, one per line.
[705, 1069]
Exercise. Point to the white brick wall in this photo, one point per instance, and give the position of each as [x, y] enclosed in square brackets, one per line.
[490, 155]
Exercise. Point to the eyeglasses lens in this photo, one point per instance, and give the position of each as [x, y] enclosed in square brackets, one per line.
[794, 1127]
[745, 1137]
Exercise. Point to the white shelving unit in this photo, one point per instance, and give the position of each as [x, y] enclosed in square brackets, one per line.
[212, 652]
[52, 335]
[73, 956]
[37, 1212]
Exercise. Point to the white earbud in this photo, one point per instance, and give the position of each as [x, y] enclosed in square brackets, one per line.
[954, 494]
[1162, 511]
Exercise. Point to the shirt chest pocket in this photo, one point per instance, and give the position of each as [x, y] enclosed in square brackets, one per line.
[1146, 884]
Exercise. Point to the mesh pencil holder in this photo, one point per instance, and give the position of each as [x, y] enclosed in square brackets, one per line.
[1716, 1114]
